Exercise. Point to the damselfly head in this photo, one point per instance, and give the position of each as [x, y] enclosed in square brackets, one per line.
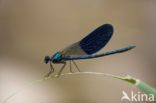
[46, 59]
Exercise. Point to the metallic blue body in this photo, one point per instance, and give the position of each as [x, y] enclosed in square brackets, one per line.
[56, 56]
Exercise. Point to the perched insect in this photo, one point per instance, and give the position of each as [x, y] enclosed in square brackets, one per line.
[84, 48]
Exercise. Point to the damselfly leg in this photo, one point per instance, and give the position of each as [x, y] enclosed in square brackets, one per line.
[74, 64]
[59, 73]
[51, 70]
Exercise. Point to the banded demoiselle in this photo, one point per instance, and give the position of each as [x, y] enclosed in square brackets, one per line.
[85, 48]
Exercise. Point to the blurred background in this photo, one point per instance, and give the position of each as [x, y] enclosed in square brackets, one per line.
[32, 29]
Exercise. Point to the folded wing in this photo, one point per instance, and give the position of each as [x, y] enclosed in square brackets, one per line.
[92, 43]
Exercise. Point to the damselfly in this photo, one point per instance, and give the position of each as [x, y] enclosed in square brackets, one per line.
[84, 48]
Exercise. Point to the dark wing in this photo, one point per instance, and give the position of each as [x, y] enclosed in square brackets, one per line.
[97, 39]
[91, 43]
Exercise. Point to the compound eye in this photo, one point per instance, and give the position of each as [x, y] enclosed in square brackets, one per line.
[46, 59]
